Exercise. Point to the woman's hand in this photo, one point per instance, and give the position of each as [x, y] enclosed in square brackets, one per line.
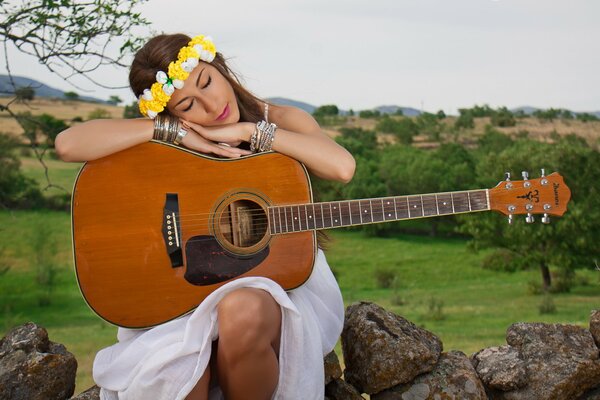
[231, 134]
[221, 141]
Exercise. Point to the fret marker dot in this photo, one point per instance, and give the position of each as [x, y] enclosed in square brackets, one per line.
[365, 210]
[414, 206]
[336, 220]
[444, 203]
[389, 215]
[310, 216]
[295, 217]
[334, 208]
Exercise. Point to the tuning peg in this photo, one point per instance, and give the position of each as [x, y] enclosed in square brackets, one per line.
[507, 176]
[543, 172]
[545, 219]
[529, 218]
[525, 175]
[510, 219]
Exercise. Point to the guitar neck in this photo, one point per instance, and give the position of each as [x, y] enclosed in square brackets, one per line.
[333, 214]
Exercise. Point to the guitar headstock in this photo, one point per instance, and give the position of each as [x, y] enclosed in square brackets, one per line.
[547, 195]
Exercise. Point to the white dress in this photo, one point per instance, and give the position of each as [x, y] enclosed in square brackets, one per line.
[166, 362]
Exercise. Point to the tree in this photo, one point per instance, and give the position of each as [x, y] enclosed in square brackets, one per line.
[71, 38]
[569, 242]
[503, 117]
[99, 113]
[404, 129]
[24, 94]
[132, 111]
[114, 100]
[71, 95]
[465, 120]
[330, 109]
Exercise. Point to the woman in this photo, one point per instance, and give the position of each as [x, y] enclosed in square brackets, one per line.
[249, 339]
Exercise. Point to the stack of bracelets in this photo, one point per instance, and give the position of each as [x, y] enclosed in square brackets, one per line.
[167, 129]
[263, 136]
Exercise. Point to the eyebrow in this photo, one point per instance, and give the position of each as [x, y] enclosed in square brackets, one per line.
[197, 81]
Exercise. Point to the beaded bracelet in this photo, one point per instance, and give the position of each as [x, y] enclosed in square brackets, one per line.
[263, 136]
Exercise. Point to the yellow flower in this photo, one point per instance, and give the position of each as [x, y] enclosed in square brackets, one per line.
[159, 95]
[187, 52]
[196, 40]
[176, 72]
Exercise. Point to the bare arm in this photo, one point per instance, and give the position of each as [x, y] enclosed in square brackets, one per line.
[98, 138]
[298, 135]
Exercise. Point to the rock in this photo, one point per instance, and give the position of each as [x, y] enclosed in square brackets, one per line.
[34, 368]
[382, 349]
[332, 367]
[562, 361]
[92, 393]
[500, 368]
[595, 326]
[341, 390]
[452, 378]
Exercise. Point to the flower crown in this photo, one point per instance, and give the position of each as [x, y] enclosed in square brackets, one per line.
[154, 100]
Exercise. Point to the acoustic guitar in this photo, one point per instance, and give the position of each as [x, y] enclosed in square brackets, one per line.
[157, 228]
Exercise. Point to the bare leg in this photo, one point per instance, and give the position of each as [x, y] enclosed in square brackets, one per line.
[200, 391]
[248, 350]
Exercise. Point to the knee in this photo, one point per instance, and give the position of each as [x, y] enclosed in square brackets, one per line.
[249, 319]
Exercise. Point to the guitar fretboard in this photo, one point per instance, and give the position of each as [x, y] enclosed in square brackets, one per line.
[333, 214]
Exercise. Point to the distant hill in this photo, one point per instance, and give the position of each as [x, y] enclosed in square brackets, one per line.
[528, 110]
[41, 90]
[282, 101]
[406, 111]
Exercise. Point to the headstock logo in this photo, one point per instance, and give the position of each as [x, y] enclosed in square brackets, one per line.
[531, 196]
[555, 187]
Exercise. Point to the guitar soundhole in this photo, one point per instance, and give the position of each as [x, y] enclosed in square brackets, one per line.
[243, 223]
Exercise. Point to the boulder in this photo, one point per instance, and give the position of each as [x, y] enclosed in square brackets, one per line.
[452, 378]
[341, 390]
[332, 367]
[562, 361]
[382, 349]
[595, 326]
[34, 368]
[92, 393]
[500, 368]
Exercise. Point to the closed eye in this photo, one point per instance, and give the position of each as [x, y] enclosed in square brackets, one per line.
[192, 102]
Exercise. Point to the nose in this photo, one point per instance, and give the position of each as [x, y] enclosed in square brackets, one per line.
[209, 103]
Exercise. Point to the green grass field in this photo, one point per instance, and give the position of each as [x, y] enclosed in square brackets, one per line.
[439, 285]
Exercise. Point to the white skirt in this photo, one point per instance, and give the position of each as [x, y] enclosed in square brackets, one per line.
[166, 362]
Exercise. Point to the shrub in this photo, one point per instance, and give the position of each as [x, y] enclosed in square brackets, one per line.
[547, 305]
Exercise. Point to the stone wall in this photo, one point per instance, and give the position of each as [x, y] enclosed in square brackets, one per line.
[386, 356]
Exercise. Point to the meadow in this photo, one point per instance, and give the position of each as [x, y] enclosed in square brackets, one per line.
[437, 283]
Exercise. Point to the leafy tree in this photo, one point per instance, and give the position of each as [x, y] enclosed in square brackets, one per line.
[404, 128]
[567, 243]
[329, 109]
[493, 141]
[503, 117]
[465, 120]
[45, 126]
[430, 125]
[16, 190]
[440, 114]
[132, 111]
[24, 94]
[369, 114]
[586, 117]
[114, 100]
[71, 95]
[99, 113]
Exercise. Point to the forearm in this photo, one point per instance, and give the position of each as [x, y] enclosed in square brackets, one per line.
[320, 154]
[98, 138]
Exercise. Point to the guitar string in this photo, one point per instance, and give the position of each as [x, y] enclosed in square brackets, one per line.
[435, 204]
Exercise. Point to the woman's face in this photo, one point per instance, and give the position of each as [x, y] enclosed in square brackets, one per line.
[206, 98]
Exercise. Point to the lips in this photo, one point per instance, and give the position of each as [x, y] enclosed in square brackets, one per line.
[224, 114]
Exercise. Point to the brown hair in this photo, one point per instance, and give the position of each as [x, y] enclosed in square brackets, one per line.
[162, 49]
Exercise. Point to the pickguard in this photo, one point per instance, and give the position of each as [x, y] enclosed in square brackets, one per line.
[208, 263]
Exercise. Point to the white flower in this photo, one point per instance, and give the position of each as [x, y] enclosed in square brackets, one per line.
[161, 77]
[199, 48]
[186, 66]
[147, 95]
[177, 83]
[152, 114]
[168, 89]
[193, 62]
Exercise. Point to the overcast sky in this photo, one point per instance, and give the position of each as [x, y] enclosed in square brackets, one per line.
[430, 54]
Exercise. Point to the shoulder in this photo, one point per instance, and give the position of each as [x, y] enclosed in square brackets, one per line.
[293, 119]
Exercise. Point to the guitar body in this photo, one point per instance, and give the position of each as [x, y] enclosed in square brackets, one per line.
[157, 228]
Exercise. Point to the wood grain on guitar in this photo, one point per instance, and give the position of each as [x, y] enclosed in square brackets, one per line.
[157, 228]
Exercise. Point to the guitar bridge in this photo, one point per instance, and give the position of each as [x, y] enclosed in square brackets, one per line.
[171, 230]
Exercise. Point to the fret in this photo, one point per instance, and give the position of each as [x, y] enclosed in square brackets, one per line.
[388, 209]
[452, 198]
[469, 198]
[302, 217]
[403, 209]
[273, 222]
[480, 201]
[377, 210]
[365, 215]
[444, 202]
[327, 221]
[395, 209]
[460, 202]
[346, 213]
[437, 207]
[318, 215]
[286, 219]
[429, 208]
[310, 212]
[294, 219]
[415, 207]
[279, 219]
[336, 219]
[355, 212]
